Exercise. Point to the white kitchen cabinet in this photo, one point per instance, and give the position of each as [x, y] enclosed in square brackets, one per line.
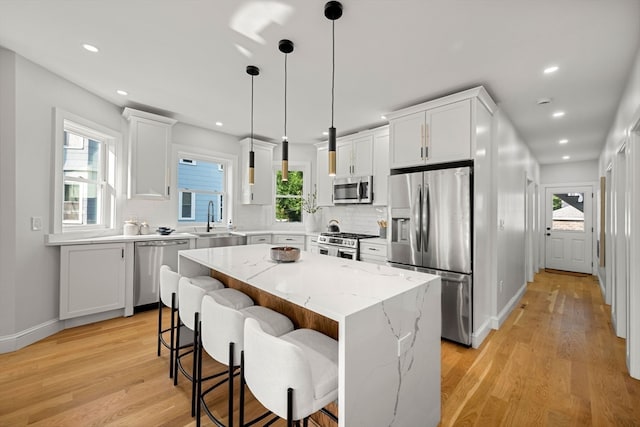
[92, 279]
[311, 244]
[258, 238]
[435, 135]
[149, 141]
[380, 165]
[354, 155]
[292, 240]
[373, 251]
[324, 182]
[261, 192]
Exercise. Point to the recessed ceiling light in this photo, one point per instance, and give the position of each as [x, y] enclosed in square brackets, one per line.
[551, 69]
[558, 114]
[383, 117]
[90, 47]
[218, 123]
[565, 157]
[325, 133]
[563, 141]
[122, 92]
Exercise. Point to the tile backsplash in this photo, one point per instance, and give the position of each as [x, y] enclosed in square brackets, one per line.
[355, 218]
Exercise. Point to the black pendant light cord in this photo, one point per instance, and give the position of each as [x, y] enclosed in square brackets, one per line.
[285, 96]
[333, 65]
[252, 113]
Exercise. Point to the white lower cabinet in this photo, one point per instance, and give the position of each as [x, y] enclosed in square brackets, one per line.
[292, 240]
[311, 244]
[92, 279]
[374, 252]
[258, 238]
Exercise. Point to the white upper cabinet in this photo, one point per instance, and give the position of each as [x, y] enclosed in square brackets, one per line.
[324, 182]
[380, 165]
[436, 135]
[149, 142]
[261, 192]
[354, 155]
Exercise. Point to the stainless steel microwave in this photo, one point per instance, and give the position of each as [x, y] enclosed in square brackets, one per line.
[357, 189]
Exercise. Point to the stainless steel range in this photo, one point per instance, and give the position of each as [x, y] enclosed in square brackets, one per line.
[343, 245]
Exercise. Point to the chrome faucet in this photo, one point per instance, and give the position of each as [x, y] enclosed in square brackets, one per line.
[209, 215]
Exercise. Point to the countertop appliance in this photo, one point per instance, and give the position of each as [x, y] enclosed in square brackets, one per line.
[431, 231]
[343, 245]
[148, 257]
[355, 189]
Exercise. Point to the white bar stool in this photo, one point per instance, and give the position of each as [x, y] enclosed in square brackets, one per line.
[222, 337]
[294, 375]
[190, 295]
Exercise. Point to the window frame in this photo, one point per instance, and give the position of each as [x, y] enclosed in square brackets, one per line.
[111, 143]
[230, 163]
[305, 168]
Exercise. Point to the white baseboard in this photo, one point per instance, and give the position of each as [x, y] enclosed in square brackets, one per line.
[495, 322]
[479, 335]
[13, 342]
[602, 289]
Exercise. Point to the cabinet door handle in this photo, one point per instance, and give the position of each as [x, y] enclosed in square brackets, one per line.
[373, 249]
[422, 141]
[122, 255]
[426, 142]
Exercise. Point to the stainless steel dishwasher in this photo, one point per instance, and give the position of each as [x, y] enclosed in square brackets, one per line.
[149, 256]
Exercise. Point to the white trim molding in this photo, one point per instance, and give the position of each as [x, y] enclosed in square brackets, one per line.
[13, 342]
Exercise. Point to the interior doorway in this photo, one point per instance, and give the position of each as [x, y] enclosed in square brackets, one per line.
[569, 228]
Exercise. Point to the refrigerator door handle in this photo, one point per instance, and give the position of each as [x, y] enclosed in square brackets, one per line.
[417, 215]
[426, 217]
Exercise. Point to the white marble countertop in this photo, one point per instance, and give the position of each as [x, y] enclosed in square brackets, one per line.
[62, 240]
[331, 286]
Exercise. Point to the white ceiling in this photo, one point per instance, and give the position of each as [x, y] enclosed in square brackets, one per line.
[179, 58]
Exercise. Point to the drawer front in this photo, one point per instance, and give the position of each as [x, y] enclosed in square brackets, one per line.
[289, 239]
[259, 238]
[373, 250]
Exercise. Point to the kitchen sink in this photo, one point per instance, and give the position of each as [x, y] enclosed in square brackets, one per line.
[218, 239]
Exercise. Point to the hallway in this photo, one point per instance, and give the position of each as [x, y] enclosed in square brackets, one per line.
[554, 362]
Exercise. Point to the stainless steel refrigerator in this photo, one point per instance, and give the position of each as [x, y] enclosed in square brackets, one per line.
[431, 231]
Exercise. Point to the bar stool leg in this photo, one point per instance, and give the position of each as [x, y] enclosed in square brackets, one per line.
[173, 327]
[242, 383]
[159, 325]
[194, 370]
[231, 363]
[289, 407]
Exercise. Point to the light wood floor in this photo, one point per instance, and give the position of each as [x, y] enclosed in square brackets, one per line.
[555, 362]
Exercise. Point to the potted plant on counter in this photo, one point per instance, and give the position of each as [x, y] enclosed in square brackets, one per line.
[313, 215]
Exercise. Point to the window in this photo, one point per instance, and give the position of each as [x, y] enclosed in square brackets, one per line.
[202, 190]
[187, 206]
[568, 212]
[288, 203]
[85, 164]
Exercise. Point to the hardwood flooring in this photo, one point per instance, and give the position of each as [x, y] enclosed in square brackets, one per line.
[554, 362]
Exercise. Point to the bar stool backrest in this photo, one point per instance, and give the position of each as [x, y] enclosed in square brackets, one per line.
[220, 326]
[271, 366]
[168, 285]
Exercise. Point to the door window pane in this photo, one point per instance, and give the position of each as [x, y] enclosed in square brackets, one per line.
[568, 212]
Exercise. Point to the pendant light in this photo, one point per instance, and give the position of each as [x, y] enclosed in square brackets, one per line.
[286, 47]
[332, 11]
[253, 71]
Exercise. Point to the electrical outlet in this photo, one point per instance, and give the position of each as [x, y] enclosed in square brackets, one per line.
[500, 286]
[403, 344]
[36, 223]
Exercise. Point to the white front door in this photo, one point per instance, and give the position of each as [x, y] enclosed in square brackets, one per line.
[569, 231]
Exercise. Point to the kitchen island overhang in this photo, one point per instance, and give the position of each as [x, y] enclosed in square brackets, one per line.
[389, 325]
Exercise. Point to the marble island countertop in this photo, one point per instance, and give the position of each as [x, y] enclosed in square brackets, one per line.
[389, 326]
[331, 286]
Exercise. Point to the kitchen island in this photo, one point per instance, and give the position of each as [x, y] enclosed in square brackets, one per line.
[388, 325]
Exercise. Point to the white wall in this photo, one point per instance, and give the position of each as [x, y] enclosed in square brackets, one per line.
[7, 192]
[570, 172]
[29, 270]
[628, 117]
[514, 165]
